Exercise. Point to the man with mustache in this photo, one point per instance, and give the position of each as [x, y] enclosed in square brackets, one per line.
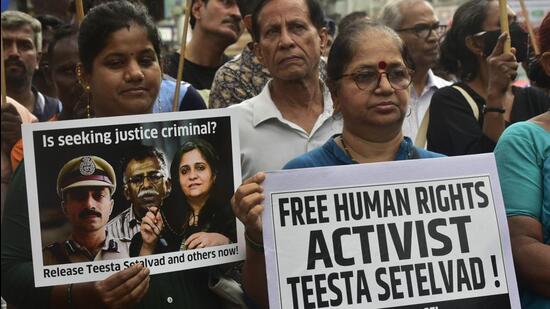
[85, 185]
[146, 184]
[215, 24]
[22, 38]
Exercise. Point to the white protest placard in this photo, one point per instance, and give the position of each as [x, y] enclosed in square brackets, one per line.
[406, 234]
[49, 146]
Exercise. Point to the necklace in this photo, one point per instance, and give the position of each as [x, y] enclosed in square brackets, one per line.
[169, 227]
[346, 149]
[409, 150]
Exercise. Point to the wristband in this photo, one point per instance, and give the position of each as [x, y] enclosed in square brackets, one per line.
[493, 110]
[70, 296]
[252, 244]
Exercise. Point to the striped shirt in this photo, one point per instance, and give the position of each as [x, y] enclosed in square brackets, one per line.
[124, 226]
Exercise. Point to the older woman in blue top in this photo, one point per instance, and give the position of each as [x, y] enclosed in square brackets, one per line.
[369, 78]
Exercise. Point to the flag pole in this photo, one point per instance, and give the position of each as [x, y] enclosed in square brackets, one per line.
[79, 11]
[529, 28]
[182, 54]
[504, 26]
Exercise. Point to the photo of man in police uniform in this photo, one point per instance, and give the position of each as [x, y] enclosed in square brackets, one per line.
[86, 185]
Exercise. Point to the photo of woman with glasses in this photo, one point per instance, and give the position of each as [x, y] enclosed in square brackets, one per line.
[195, 214]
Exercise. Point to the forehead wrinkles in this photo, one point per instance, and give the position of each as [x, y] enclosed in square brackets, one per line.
[275, 12]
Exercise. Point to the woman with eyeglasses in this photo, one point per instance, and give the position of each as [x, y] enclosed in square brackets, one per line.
[369, 78]
[195, 214]
[469, 116]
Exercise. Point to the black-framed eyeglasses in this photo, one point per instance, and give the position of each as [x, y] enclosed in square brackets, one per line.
[423, 31]
[399, 77]
[154, 177]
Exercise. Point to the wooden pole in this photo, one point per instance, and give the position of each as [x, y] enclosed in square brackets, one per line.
[504, 26]
[529, 28]
[79, 11]
[182, 55]
[3, 74]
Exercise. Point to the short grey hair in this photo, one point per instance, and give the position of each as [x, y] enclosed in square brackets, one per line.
[12, 20]
[391, 14]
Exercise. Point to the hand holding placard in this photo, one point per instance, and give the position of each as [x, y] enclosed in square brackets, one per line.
[246, 204]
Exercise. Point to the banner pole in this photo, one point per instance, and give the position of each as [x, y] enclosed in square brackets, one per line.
[79, 11]
[529, 28]
[3, 74]
[504, 26]
[182, 55]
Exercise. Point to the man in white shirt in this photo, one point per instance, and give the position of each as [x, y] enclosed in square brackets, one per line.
[293, 113]
[419, 28]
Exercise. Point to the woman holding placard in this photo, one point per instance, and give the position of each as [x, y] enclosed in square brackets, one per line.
[119, 51]
[368, 75]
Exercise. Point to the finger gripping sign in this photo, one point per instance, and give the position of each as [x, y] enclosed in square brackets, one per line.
[409, 234]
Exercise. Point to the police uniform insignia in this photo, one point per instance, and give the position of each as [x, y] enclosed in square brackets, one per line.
[87, 166]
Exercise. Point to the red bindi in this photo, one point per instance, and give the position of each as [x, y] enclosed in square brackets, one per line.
[382, 65]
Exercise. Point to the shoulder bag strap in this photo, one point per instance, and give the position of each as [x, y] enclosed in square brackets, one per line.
[470, 101]
[422, 134]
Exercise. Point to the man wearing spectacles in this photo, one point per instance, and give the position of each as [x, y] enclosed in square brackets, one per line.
[146, 184]
[420, 30]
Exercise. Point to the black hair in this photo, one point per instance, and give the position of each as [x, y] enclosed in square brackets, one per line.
[214, 213]
[49, 22]
[316, 16]
[331, 26]
[61, 32]
[86, 5]
[455, 57]
[246, 7]
[350, 19]
[345, 44]
[141, 152]
[192, 19]
[104, 19]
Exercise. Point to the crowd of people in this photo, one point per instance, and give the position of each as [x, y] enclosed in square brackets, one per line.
[398, 86]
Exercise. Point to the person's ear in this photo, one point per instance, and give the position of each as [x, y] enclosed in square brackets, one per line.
[168, 185]
[64, 208]
[126, 192]
[248, 23]
[333, 88]
[474, 46]
[323, 36]
[259, 53]
[112, 205]
[545, 62]
[38, 59]
[196, 7]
